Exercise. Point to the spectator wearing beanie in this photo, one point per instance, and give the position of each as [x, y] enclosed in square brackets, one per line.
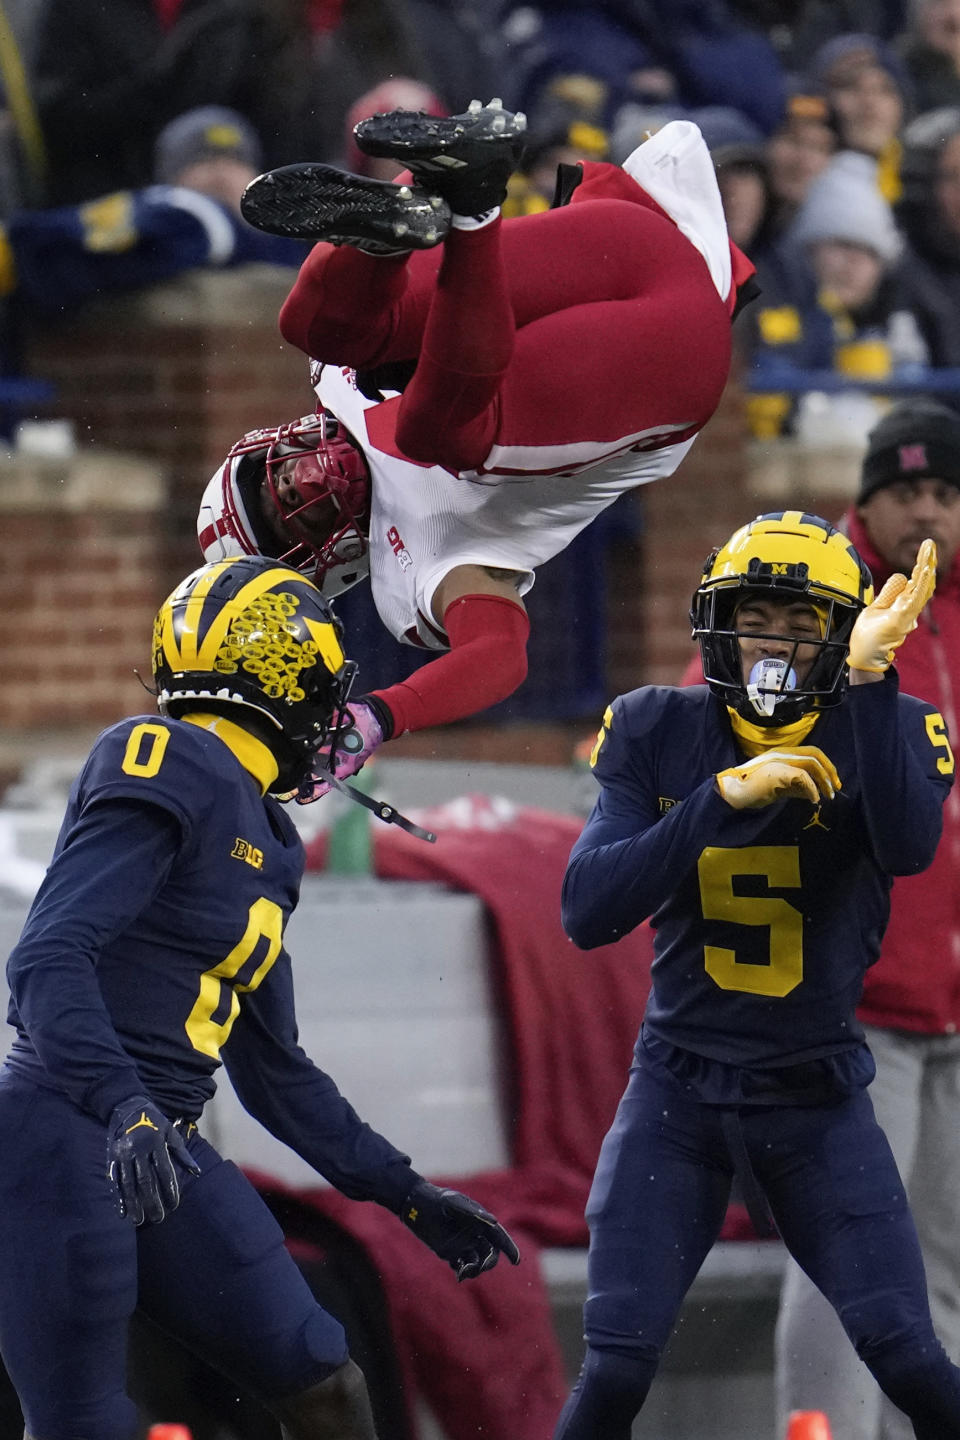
[798, 151]
[211, 149]
[52, 260]
[868, 90]
[910, 489]
[839, 311]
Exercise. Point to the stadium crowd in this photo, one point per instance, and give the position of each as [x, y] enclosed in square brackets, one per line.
[129, 129]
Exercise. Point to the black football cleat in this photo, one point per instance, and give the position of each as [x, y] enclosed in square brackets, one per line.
[319, 202]
[465, 158]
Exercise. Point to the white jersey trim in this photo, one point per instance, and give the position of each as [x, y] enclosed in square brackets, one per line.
[521, 462]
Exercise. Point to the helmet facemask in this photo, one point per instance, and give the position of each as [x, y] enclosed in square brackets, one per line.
[789, 559]
[317, 485]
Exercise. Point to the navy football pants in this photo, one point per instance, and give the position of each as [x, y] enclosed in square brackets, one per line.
[215, 1274]
[658, 1201]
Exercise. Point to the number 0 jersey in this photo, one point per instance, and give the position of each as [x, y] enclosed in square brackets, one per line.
[765, 919]
[196, 935]
[156, 941]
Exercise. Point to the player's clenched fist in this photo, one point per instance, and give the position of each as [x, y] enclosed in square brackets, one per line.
[885, 624]
[804, 773]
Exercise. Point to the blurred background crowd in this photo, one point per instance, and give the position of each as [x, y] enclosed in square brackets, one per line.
[835, 128]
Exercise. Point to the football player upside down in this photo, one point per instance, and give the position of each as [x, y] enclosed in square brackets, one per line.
[486, 387]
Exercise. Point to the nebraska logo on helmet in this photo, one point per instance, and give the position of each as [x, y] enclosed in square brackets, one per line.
[298, 492]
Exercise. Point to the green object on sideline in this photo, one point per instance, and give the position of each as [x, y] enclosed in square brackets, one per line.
[350, 850]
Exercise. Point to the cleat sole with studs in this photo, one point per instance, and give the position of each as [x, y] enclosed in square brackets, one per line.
[482, 134]
[319, 202]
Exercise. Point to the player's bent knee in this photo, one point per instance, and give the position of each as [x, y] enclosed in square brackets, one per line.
[337, 1408]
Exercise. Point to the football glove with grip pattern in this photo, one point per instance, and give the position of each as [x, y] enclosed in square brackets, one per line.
[363, 732]
[456, 1228]
[143, 1150]
[802, 773]
[882, 627]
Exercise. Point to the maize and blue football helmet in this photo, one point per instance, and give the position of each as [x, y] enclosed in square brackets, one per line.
[789, 556]
[254, 640]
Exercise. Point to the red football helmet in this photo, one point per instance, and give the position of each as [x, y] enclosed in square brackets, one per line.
[299, 493]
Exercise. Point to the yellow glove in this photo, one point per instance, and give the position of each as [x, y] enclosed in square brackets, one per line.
[805, 773]
[885, 624]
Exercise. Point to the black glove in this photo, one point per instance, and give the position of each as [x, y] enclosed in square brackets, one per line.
[141, 1149]
[457, 1229]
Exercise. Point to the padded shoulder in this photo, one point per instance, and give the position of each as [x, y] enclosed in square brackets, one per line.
[159, 761]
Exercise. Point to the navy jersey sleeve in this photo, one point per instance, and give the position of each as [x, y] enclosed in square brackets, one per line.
[627, 859]
[905, 769]
[131, 239]
[115, 859]
[279, 1085]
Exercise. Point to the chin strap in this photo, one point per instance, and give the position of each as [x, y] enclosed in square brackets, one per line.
[387, 813]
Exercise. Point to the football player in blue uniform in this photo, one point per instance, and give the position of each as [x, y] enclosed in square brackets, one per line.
[154, 951]
[758, 820]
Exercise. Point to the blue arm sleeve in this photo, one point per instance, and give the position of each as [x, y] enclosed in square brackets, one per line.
[115, 860]
[902, 789]
[279, 1085]
[130, 240]
[628, 858]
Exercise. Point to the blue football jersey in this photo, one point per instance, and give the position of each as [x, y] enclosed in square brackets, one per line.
[154, 949]
[765, 919]
[211, 925]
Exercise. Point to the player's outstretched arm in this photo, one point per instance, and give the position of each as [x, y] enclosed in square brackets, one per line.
[486, 663]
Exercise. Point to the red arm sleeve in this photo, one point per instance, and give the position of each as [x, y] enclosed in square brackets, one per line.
[486, 663]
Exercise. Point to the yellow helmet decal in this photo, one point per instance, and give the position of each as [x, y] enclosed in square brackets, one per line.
[782, 544]
[256, 631]
[325, 639]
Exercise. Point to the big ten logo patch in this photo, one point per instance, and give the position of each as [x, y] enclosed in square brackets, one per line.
[243, 850]
[395, 541]
[664, 803]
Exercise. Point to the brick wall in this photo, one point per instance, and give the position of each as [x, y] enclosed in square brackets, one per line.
[79, 586]
[178, 373]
